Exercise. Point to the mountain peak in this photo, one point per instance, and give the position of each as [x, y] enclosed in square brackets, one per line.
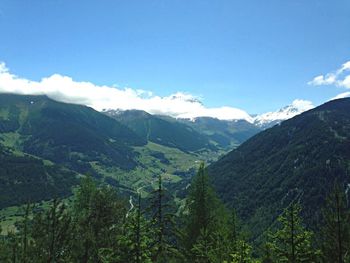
[271, 118]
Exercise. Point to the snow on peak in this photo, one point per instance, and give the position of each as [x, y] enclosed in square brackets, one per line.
[295, 108]
[113, 112]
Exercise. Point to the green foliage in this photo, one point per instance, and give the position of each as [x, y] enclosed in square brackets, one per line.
[51, 234]
[97, 227]
[335, 231]
[242, 254]
[98, 215]
[211, 235]
[134, 243]
[26, 179]
[163, 224]
[292, 242]
[205, 212]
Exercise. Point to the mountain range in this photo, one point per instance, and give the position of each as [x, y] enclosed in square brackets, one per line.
[61, 142]
[295, 153]
[46, 146]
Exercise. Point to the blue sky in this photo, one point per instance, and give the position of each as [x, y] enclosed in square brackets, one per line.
[253, 55]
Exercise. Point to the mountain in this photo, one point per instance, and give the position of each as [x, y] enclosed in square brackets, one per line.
[24, 178]
[165, 132]
[65, 133]
[270, 119]
[46, 144]
[186, 134]
[299, 159]
[224, 133]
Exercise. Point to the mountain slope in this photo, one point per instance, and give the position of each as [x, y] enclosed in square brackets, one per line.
[164, 132]
[298, 159]
[225, 134]
[41, 136]
[66, 134]
[27, 179]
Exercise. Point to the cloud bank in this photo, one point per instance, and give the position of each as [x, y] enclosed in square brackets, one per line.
[65, 89]
[340, 77]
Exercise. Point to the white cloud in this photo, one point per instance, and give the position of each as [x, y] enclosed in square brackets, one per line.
[345, 82]
[341, 95]
[345, 66]
[340, 77]
[329, 79]
[65, 89]
[302, 105]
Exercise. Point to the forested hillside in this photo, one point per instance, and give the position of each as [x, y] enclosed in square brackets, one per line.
[98, 226]
[300, 159]
[157, 130]
[25, 179]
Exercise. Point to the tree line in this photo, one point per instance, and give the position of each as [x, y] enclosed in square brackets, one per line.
[98, 227]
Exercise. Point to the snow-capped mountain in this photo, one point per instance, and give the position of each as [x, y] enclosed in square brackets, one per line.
[228, 114]
[269, 119]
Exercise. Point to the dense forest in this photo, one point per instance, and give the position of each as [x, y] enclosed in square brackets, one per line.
[99, 225]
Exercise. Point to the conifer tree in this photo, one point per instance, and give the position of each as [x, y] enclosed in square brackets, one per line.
[267, 253]
[292, 242]
[206, 217]
[163, 225]
[134, 244]
[242, 254]
[51, 234]
[335, 231]
[98, 216]
[203, 247]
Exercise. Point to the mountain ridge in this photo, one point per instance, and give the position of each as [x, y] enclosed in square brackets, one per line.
[261, 121]
[300, 158]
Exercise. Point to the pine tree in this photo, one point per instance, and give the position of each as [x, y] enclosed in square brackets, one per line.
[335, 231]
[206, 217]
[51, 234]
[292, 242]
[267, 253]
[242, 253]
[134, 244]
[234, 230]
[202, 248]
[98, 215]
[163, 225]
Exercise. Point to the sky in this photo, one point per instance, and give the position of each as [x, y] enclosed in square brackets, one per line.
[235, 57]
